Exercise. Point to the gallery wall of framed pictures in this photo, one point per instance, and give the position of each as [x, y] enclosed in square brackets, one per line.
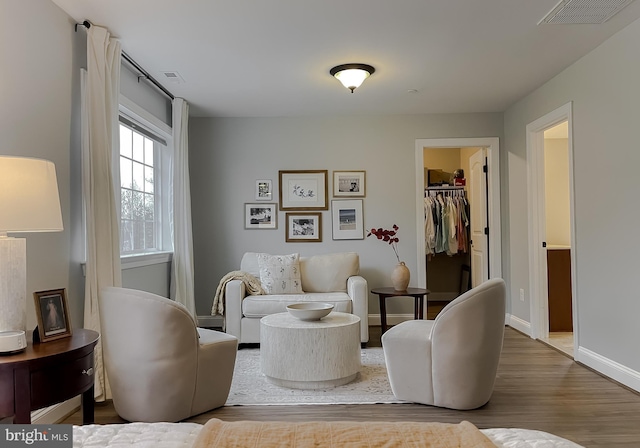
[304, 195]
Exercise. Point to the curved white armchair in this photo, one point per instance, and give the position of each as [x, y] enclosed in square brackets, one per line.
[160, 366]
[451, 361]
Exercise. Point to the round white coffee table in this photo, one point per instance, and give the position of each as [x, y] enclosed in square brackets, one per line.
[310, 354]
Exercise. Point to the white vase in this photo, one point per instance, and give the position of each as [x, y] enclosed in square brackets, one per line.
[400, 277]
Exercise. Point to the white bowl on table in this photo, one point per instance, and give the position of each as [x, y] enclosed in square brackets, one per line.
[309, 310]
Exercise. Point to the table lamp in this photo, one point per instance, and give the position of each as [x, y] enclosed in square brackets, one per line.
[29, 202]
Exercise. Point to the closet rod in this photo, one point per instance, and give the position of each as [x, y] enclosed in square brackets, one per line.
[134, 64]
[448, 187]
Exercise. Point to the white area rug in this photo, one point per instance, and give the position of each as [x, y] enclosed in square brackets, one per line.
[250, 387]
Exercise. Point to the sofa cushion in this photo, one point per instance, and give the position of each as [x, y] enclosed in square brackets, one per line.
[260, 306]
[249, 263]
[328, 273]
[280, 274]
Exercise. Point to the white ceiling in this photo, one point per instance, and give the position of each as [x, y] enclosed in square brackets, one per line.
[243, 58]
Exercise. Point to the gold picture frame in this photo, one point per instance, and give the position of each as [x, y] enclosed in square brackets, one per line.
[349, 184]
[303, 190]
[303, 227]
[52, 314]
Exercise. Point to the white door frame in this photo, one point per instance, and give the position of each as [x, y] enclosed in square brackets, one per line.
[539, 304]
[492, 144]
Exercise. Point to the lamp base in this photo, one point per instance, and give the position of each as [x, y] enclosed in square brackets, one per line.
[12, 342]
[13, 284]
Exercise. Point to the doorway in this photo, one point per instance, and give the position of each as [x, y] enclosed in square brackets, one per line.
[551, 236]
[490, 147]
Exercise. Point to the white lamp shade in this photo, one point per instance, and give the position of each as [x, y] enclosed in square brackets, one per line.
[29, 197]
[352, 78]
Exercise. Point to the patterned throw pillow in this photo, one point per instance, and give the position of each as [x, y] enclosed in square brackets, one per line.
[280, 274]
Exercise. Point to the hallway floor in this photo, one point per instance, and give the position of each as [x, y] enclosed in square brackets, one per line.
[562, 341]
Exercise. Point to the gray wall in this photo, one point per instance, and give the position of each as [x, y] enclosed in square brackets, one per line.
[143, 93]
[40, 87]
[227, 155]
[603, 87]
[40, 116]
[153, 278]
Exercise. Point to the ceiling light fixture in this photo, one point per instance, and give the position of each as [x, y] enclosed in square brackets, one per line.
[352, 75]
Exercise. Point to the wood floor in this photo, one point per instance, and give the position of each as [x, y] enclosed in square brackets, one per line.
[537, 388]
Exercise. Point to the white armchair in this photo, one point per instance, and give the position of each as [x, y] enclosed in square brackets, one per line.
[161, 367]
[451, 361]
[332, 278]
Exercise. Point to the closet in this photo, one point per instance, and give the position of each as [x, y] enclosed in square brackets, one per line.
[447, 222]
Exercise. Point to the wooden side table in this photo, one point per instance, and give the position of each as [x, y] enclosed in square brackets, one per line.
[417, 293]
[47, 373]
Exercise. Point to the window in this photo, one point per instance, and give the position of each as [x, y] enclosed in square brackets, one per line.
[143, 167]
[138, 198]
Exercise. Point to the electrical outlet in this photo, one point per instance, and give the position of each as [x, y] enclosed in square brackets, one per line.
[521, 295]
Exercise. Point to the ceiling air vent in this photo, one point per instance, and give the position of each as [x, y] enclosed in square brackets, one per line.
[173, 77]
[584, 11]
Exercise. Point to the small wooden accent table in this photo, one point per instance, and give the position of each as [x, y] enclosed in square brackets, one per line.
[417, 293]
[47, 373]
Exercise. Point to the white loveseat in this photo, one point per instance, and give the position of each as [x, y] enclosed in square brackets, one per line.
[331, 278]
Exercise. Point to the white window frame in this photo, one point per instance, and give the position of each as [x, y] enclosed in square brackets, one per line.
[163, 171]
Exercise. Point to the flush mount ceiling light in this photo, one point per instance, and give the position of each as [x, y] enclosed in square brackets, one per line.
[352, 75]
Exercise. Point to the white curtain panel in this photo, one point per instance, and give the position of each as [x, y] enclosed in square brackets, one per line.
[182, 265]
[100, 144]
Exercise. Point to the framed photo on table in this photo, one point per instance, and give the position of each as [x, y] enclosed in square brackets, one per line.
[303, 227]
[349, 184]
[260, 216]
[264, 190]
[52, 314]
[347, 219]
[303, 190]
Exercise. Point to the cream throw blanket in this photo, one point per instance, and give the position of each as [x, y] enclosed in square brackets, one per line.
[251, 283]
[252, 434]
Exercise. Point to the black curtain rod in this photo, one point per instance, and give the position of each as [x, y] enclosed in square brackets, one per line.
[134, 64]
[146, 75]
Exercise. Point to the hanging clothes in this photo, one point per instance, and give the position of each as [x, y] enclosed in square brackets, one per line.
[462, 225]
[452, 239]
[446, 221]
[429, 226]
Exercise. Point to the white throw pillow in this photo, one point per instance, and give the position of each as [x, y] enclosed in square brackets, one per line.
[329, 272]
[280, 274]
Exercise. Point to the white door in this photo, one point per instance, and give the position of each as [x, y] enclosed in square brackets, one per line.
[478, 224]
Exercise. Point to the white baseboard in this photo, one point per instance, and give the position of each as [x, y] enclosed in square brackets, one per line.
[56, 413]
[519, 324]
[612, 369]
